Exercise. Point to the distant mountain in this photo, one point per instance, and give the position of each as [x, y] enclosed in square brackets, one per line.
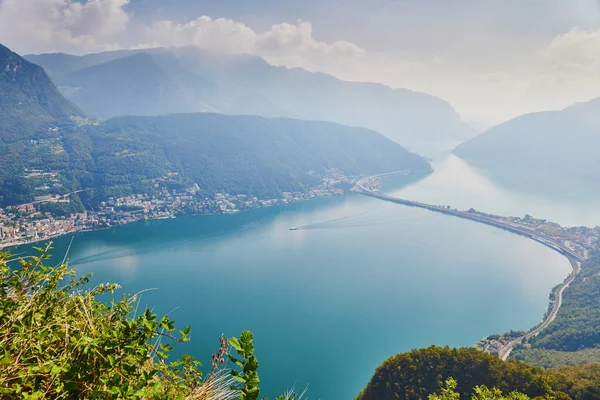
[235, 154]
[51, 148]
[30, 104]
[554, 152]
[239, 154]
[197, 80]
[135, 85]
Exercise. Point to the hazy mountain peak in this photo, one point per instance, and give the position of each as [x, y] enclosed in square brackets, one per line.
[190, 79]
[557, 149]
[29, 102]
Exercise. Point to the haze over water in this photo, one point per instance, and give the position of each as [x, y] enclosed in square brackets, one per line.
[359, 281]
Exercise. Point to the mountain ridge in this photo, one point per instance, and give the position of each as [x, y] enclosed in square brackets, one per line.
[30, 102]
[550, 151]
[246, 84]
[249, 155]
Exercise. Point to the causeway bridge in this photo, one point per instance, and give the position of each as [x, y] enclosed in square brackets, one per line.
[477, 217]
[574, 258]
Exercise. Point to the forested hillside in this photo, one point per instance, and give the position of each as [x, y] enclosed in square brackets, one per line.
[419, 373]
[191, 80]
[51, 149]
[30, 104]
[238, 154]
[574, 336]
[32, 112]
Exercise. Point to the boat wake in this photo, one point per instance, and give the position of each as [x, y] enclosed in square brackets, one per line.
[350, 222]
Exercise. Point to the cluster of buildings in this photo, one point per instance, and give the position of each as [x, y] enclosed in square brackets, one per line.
[493, 344]
[580, 239]
[25, 223]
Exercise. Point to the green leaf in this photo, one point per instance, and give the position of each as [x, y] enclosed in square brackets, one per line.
[233, 342]
[237, 377]
[236, 361]
[7, 359]
[251, 365]
[246, 342]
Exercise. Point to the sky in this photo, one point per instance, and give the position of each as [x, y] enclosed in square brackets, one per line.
[491, 59]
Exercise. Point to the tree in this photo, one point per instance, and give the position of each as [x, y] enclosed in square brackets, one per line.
[448, 392]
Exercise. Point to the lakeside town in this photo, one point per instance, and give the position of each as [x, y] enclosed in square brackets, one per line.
[27, 223]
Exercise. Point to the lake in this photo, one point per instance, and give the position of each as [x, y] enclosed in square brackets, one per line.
[359, 281]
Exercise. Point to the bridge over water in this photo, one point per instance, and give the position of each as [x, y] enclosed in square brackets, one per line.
[477, 217]
[496, 221]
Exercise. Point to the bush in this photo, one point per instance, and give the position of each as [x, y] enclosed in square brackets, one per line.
[57, 340]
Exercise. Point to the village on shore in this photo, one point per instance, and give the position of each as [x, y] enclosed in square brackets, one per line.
[27, 223]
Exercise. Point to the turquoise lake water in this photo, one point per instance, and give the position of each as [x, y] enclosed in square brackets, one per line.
[359, 281]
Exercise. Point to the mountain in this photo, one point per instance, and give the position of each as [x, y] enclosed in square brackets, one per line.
[50, 148]
[198, 80]
[134, 85]
[31, 110]
[554, 152]
[238, 154]
[30, 104]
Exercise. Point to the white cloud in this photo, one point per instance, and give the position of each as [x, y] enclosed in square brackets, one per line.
[220, 34]
[62, 25]
[285, 44]
[485, 79]
[577, 51]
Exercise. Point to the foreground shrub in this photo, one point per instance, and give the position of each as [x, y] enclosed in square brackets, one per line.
[58, 340]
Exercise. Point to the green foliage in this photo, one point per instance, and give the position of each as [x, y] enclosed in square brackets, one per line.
[240, 154]
[248, 363]
[421, 373]
[58, 340]
[448, 392]
[555, 359]
[577, 324]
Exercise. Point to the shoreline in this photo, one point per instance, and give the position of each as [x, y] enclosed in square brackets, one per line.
[574, 260]
[4, 246]
[505, 351]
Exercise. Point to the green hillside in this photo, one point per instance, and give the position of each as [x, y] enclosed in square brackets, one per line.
[239, 154]
[50, 148]
[420, 373]
[573, 338]
[30, 104]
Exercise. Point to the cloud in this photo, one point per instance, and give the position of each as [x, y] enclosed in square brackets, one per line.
[220, 34]
[62, 25]
[577, 51]
[286, 44]
[486, 76]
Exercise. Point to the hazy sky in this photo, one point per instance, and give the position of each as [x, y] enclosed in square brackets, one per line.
[491, 59]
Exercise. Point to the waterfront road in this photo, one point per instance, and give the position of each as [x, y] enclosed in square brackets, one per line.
[505, 351]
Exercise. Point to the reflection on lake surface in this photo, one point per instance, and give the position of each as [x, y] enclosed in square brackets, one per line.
[359, 281]
[456, 183]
